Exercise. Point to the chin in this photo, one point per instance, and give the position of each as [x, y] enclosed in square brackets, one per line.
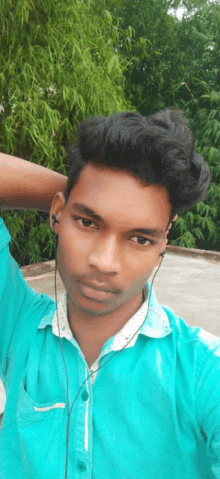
[89, 306]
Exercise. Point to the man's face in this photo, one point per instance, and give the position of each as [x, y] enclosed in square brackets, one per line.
[111, 253]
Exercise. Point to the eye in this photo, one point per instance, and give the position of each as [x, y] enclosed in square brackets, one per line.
[143, 239]
[85, 220]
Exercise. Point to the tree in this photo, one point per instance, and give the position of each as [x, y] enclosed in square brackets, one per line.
[58, 66]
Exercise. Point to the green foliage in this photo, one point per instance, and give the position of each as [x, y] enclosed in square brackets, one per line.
[58, 66]
[32, 238]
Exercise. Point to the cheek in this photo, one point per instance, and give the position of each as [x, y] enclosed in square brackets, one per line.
[138, 273]
[148, 260]
[70, 256]
[75, 243]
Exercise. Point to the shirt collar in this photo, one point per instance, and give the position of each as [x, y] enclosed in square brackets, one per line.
[153, 323]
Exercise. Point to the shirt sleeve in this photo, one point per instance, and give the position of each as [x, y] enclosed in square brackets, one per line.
[15, 297]
[208, 405]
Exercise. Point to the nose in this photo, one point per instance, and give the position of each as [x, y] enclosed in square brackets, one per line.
[105, 256]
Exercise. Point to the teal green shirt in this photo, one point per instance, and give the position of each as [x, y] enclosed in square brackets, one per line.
[152, 412]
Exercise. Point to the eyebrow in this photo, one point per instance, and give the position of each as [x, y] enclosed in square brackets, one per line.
[82, 208]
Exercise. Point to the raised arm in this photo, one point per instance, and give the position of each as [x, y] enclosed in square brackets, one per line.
[25, 185]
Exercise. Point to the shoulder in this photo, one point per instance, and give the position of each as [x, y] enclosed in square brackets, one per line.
[193, 347]
[5, 236]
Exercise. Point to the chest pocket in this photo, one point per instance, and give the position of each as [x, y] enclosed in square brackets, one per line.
[42, 433]
[30, 410]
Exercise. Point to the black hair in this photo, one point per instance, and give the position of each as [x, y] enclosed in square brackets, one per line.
[156, 149]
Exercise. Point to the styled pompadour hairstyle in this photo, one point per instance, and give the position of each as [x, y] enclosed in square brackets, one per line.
[157, 149]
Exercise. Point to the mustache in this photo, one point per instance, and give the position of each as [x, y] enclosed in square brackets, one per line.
[99, 286]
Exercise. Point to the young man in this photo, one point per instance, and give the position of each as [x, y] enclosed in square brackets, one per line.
[109, 384]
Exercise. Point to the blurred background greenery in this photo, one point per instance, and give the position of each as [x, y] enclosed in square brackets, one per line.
[62, 61]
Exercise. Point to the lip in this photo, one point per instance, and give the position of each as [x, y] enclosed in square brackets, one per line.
[98, 286]
[93, 293]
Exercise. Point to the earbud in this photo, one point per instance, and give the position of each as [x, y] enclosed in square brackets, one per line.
[163, 253]
[54, 218]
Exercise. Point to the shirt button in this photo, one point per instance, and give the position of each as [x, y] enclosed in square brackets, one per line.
[81, 466]
[84, 396]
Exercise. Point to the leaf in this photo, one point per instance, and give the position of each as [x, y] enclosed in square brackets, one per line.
[211, 153]
[198, 233]
[130, 32]
[113, 65]
[107, 16]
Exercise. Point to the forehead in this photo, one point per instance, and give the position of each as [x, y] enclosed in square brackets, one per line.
[117, 194]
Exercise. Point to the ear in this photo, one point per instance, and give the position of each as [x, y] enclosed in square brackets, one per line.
[57, 207]
[169, 228]
[171, 223]
[165, 238]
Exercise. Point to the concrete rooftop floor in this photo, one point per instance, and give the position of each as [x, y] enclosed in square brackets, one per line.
[189, 284]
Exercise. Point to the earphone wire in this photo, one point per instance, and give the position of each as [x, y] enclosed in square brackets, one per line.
[67, 382]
